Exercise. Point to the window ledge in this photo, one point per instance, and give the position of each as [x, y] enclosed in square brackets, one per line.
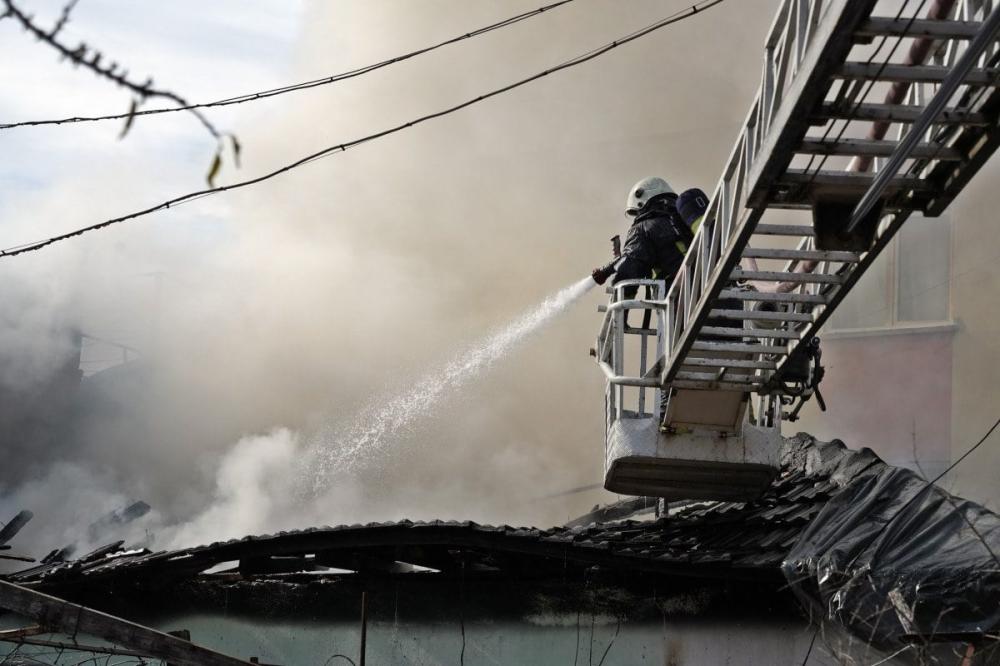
[909, 328]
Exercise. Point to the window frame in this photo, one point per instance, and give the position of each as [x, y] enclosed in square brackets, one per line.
[893, 324]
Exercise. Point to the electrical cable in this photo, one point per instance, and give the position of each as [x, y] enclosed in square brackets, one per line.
[811, 644]
[343, 147]
[305, 85]
[931, 484]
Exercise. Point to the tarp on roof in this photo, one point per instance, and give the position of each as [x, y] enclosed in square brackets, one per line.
[895, 559]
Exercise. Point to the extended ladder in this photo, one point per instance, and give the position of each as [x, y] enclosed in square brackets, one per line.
[809, 108]
[865, 115]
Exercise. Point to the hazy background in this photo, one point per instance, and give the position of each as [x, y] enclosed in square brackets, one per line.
[263, 320]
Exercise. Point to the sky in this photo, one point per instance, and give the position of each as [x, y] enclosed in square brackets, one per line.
[272, 325]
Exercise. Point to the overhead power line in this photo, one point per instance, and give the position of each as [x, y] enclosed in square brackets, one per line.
[342, 147]
[305, 85]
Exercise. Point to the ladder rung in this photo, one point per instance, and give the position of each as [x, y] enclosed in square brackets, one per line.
[852, 180]
[805, 255]
[729, 363]
[738, 347]
[712, 377]
[727, 332]
[875, 148]
[771, 297]
[712, 386]
[884, 26]
[900, 113]
[761, 315]
[783, 230]
[782, 276]
[912, 73]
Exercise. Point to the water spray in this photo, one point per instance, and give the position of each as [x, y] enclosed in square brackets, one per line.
[386, 419]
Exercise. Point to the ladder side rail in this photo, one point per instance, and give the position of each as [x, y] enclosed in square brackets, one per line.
[977, 48]
[829, 42]
[688, 301]
[956, 77]
[974, 146]
[759, 117]
[718, 225]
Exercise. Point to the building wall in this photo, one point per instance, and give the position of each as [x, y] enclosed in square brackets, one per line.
[891, 392]
[543, 640]
[975, 297]
[895, 382]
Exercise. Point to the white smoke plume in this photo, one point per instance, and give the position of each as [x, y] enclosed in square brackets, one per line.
[320, 311]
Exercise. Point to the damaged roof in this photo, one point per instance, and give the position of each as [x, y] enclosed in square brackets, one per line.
[710, 539]
[872, 547]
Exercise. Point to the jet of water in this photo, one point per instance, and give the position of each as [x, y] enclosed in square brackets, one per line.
[340, 450]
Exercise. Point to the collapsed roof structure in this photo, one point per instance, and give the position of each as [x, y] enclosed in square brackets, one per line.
[884, 561]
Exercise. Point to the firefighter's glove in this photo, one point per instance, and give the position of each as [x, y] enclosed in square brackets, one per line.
[602, 274]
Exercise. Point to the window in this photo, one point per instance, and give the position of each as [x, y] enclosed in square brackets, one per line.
[908, 284]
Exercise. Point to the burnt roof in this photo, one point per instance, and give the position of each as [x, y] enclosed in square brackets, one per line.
[721, 539]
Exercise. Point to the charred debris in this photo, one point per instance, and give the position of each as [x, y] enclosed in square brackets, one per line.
[866, 550]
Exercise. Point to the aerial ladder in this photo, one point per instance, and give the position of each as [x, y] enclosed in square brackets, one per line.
[865, 115]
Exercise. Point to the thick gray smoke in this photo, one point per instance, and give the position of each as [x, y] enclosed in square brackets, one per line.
[262, 317]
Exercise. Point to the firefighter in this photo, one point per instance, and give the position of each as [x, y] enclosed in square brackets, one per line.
[691, 205]
[656, 241]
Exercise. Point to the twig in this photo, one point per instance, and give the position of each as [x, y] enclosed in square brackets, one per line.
[948, 498]
[339, 656]
[89, 58]
[811, 643]
[64, 17]
[893, 655]
[610, 643]
[304, 85]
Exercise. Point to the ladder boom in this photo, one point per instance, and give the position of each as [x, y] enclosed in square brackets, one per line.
[734, 334]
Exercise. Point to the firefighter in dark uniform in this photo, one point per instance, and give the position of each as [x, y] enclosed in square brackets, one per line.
[656, 241]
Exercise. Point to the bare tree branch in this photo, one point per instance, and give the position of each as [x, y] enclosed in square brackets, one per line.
[90, 58]
[64, 17]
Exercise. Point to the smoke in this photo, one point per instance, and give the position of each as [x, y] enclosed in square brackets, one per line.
[273, 318]
[254, 485]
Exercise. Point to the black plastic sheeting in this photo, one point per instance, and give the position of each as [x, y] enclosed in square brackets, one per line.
[893, 559]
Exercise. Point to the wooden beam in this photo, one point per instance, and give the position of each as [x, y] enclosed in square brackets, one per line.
[873, 71]
[771, 297]
[74, 619]
[14, 634]
[17, 558]
[885, 26]
[11, 529]
[784, 230]
[848, 181]
[813, 255]
[898, 113]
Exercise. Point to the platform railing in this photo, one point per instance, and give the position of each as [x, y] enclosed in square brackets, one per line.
[633, 376]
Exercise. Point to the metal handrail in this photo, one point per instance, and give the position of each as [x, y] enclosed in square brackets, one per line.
[610, 347]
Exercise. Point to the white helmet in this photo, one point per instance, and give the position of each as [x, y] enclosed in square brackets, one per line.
[643, 191]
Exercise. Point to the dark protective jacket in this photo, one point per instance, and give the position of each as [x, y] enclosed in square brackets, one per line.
[655, 245]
